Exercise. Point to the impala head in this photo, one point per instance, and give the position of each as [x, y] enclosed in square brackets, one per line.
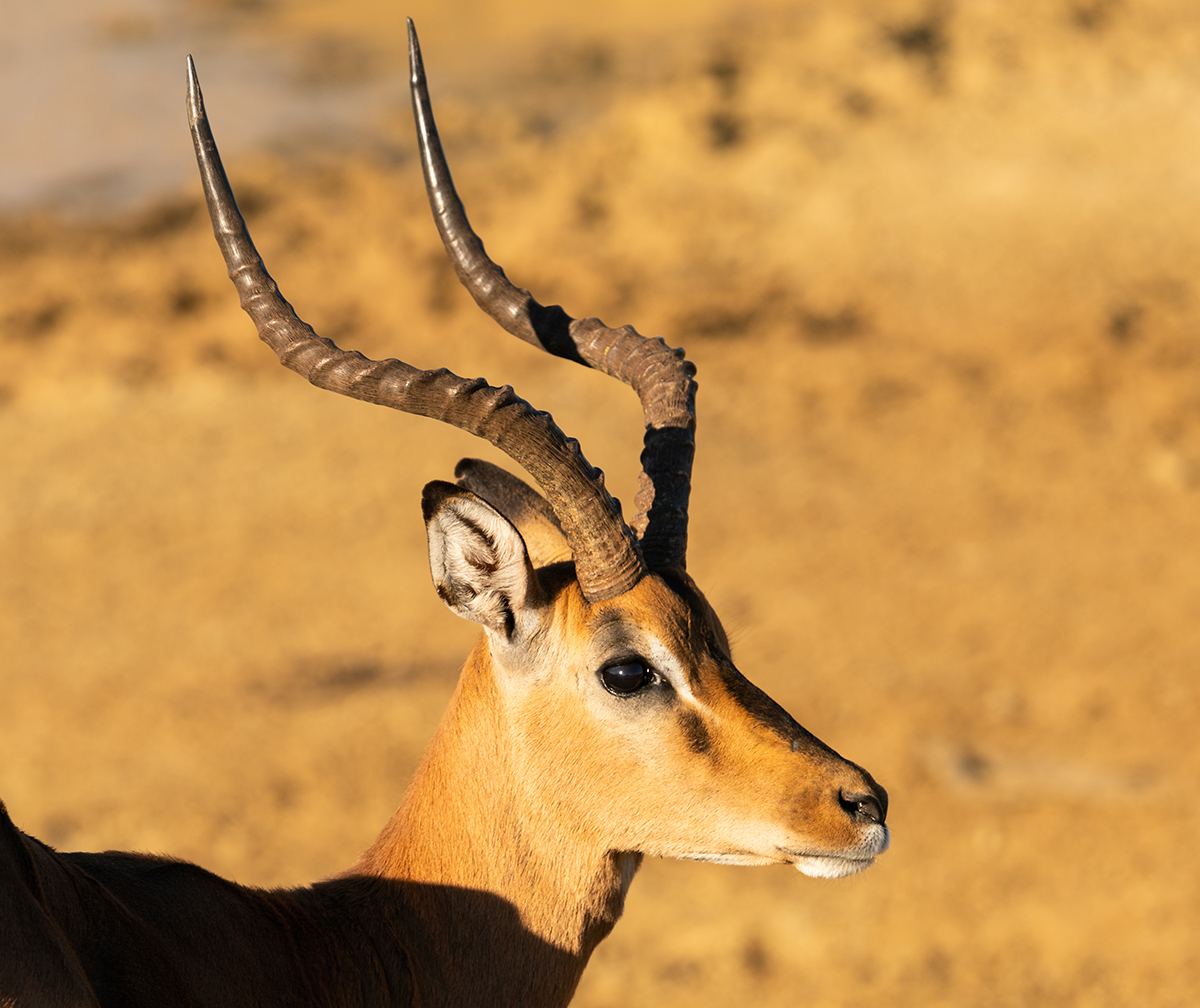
[610, 672]
[628, 718]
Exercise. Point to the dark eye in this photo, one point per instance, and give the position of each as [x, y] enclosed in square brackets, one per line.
[625, 679]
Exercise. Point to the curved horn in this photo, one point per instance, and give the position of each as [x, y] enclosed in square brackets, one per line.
[607, 557]
[520, 504]
[662, 378]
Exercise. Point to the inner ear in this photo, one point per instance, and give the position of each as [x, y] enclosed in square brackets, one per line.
[478, 560]
[527, 509]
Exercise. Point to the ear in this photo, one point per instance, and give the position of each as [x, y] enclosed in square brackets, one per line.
[478, 560]
[527, 509]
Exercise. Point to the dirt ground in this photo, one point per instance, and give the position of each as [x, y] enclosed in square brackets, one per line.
[936, 264]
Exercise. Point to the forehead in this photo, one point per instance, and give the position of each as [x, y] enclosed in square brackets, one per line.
[669, 609]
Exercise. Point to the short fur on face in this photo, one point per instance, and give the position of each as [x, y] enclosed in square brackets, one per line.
[649, 770]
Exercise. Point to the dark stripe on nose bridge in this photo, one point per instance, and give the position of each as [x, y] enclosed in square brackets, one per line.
[770, 715]
[693, 730]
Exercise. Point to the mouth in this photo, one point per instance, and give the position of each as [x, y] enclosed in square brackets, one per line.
[833, 866]
[829, 866]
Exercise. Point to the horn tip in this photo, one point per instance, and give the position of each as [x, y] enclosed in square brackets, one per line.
[195, 98]
[416, 69]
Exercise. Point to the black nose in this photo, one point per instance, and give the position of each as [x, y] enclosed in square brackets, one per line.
[862, 806]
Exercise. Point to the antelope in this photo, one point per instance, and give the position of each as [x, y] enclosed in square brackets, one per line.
[598, 720]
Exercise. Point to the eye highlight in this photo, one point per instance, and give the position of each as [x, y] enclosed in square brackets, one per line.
[626, 678]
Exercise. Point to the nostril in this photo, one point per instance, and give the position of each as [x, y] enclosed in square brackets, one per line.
[862, 806]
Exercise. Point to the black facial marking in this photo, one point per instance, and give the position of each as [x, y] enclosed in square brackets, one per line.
[706, 633]
[769, 714]
[694, 731]
[699, 627]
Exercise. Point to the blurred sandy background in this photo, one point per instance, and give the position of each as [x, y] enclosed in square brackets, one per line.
[936, 263]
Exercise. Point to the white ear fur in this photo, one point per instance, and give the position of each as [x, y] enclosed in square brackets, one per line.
[478, 559]
[522, 505]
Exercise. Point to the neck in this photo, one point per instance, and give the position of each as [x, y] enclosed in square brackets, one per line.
[510, 903]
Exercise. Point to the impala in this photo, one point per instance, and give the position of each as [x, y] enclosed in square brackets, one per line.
[599, 718]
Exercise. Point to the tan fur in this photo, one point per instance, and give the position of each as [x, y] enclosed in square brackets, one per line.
[540, 789]
[549, 778]
[512, 850]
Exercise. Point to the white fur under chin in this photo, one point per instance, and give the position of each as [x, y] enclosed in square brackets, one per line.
[878, 840]
[831, 867]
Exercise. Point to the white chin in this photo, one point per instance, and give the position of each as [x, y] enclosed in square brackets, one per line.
[831, 867]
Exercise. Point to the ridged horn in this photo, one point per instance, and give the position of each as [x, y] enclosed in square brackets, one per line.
[663, 379]
[607, 556]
